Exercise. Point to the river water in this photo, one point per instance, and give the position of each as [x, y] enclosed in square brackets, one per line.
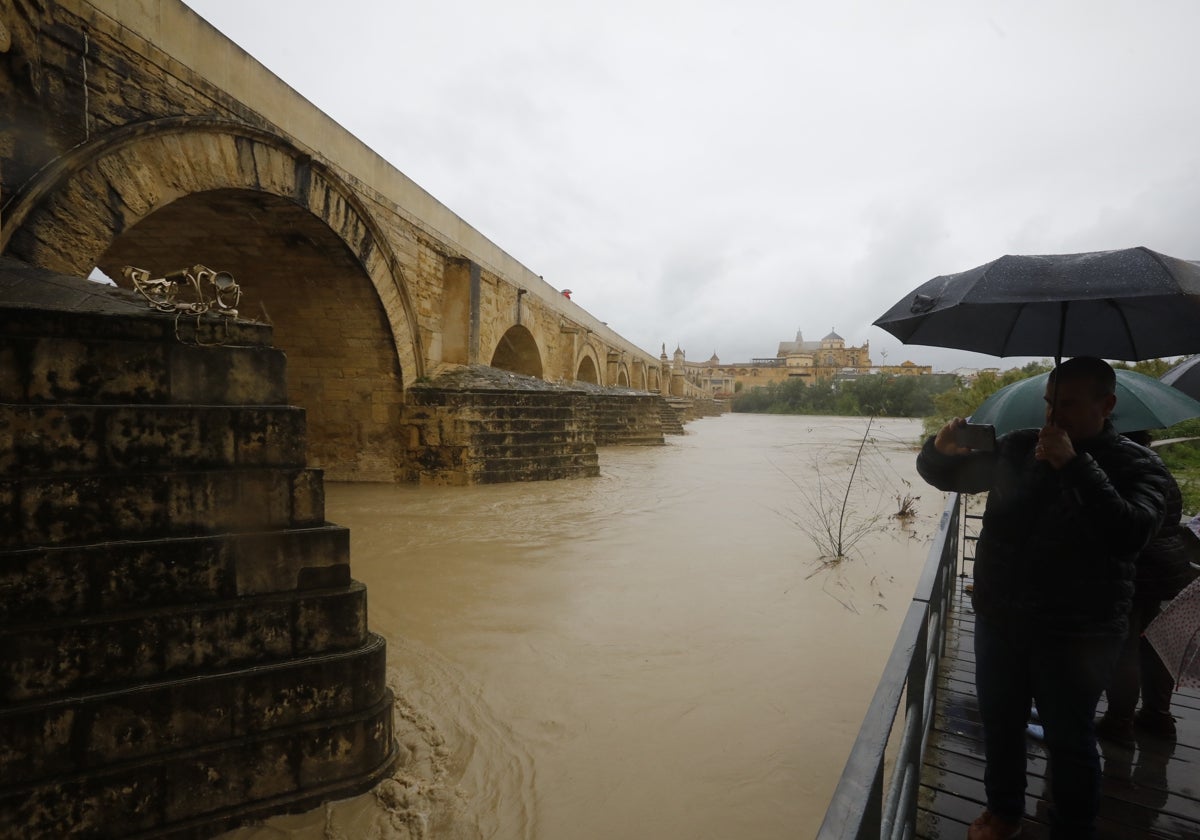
[659, 652]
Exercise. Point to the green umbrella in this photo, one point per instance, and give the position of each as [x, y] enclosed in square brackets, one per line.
[1142, 403]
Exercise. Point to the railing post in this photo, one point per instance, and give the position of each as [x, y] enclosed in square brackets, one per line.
[915, 711]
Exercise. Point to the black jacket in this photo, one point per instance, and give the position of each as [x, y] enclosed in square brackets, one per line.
[1057, 548]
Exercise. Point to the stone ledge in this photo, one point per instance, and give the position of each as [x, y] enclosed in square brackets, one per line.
[74, 509]
[102, 728]
[194, 793]
[54, 439]
[50, 659]
[106, 371]
[39, 584]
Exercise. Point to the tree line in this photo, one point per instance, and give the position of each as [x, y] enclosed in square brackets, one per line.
[934, 397]
[868, 396]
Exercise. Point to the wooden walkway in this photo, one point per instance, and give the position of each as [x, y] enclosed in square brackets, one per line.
[1151, 790]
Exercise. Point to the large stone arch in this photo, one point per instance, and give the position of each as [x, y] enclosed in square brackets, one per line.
[184, 190]
[517, 351]
[587, 366]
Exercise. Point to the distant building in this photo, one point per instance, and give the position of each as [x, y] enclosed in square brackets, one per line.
[808, 361]
[969, 375]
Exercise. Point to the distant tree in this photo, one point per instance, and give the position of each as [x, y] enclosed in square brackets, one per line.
[1147, 367]
[867, 396]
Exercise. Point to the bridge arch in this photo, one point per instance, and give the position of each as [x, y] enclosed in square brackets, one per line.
[622, 376]
[587, 366]
[170, 193]
[517, 351]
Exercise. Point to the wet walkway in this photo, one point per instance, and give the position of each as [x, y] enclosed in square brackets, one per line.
[1151, 790]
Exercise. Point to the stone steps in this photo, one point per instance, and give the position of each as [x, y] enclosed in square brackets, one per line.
[550, 401]
[499, 470]
[73, 509]
[181, 644]
[532, 437]
[551, 450]
[624, 438]
[49, 439]
[50, 659]
[46, 583]
[92, 729]
[197, 792]
[672, 416]
[628, 419]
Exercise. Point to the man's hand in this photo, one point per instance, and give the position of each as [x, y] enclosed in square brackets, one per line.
[944, 442]
[1054, 446]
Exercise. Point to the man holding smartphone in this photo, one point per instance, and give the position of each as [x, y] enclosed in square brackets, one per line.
[1069, 508]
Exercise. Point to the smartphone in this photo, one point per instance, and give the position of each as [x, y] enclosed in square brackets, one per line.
[976, 436]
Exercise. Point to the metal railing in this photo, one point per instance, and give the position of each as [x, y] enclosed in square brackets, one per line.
[860, 810]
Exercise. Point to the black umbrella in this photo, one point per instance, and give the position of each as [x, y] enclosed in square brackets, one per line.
[1186, 377]
[1130, 304]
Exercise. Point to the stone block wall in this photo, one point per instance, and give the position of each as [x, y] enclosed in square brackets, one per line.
[627, 418]
[479, 425]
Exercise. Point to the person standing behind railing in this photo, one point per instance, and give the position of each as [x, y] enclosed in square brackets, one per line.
[1069, 508]
[1163, 570]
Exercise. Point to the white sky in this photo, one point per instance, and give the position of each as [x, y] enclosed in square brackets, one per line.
[721, 173]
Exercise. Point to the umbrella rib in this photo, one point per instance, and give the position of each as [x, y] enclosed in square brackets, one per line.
[1012, 325]
[1134, 355]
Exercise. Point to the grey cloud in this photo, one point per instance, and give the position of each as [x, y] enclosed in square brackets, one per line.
[728, 175]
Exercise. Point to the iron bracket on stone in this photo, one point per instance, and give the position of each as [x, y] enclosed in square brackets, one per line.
[210, 291]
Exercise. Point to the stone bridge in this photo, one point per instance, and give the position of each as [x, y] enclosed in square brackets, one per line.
[134, 133]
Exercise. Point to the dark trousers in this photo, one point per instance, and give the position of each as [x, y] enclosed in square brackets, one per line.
[1064, 675]
[1139, 670]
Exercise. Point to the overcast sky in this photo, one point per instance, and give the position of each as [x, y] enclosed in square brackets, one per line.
[719, 175]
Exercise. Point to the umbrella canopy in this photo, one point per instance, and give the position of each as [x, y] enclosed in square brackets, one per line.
[1185, 377]
[1175, 635]
[1143, 402]
[1129, 304]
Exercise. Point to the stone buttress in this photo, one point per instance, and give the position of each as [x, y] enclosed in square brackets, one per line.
[182, 648]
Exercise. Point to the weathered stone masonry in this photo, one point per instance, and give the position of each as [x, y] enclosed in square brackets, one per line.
[138, 135]
[181, 644]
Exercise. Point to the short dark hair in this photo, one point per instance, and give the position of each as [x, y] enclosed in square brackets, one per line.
[1087, 369]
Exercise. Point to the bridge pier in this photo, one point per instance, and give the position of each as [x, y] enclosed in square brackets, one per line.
[475, 424]
[181, 645]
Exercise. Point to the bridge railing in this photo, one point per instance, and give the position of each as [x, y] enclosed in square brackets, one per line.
[861, 808]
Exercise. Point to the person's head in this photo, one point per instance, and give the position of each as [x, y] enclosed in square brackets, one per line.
[1080, 395]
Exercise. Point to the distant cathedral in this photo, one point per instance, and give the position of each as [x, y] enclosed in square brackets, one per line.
[808, 361]
[828, 354]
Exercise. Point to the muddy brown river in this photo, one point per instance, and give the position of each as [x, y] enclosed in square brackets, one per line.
[660, 652]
